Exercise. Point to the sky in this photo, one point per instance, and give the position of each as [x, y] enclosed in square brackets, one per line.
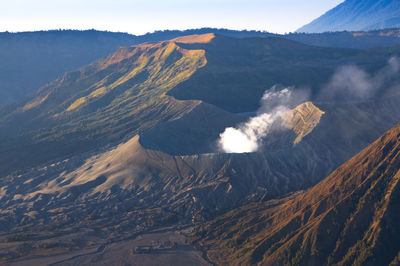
[142, 16]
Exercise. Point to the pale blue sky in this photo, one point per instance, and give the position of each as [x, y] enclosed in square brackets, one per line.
[141, 16]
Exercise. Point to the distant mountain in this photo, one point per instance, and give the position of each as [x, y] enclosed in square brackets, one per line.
[357, 15]
[350, 218]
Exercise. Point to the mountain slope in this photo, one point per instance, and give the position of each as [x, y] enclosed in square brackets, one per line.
[142, 86]
[133, 177]
[127, 93]
[130, 91]
[348, 218]
[130, 179]
[29, 60]
[119, 95]
[40, 57]
[353, 15]
[122, 191]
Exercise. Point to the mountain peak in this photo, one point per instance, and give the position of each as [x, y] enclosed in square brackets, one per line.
[303, 119]
[354, 15]
[196, 38]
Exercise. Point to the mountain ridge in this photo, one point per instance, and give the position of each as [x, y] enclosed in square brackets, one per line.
[44, 56]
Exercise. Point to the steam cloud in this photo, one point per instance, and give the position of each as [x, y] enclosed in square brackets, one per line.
[248, 137]
[351, 83]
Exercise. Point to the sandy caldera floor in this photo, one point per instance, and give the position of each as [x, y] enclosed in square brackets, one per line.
[125, 252]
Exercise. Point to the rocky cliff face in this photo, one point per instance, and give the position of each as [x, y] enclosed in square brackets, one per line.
[303, 119]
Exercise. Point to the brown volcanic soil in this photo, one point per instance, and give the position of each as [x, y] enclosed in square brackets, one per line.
[351, 217]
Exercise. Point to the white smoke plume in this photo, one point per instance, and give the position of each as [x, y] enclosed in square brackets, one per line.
[248, 136]
[353, 84]
[349, 83]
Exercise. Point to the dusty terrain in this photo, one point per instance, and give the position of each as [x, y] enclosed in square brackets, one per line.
[93, 250]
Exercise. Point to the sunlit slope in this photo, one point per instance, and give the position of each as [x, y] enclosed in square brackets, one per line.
[351, 217]
[132, 73]
[105, 101]
[29, 60]
[303, 119]
[40, 57]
